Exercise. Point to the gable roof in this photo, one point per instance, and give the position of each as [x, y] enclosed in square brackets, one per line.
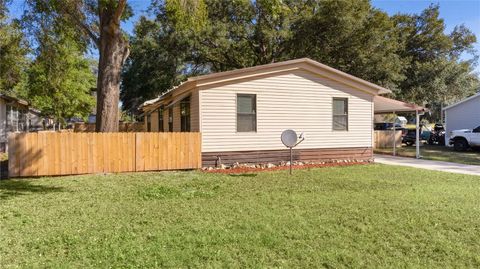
[463, 101]
[13, 99]
[305, 64]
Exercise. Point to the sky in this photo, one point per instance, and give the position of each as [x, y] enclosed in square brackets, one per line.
[454, 12]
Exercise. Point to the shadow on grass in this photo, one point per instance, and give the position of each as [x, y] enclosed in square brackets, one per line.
[13, 188]
[243, 175]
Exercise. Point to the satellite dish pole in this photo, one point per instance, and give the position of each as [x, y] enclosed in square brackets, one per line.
[290, 140]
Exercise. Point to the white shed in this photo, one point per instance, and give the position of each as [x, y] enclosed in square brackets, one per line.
[462, 115]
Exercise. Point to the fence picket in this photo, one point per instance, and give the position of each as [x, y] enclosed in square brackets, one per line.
[50, 153]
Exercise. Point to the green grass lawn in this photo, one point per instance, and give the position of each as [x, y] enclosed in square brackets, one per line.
[437, 153]
[346, 217]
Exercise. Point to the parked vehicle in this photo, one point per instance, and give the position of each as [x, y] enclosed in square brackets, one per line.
[437, 136]
[386, 126]
[465, 139]
[411, 135]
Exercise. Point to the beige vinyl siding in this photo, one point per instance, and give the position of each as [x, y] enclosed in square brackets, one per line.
[297, 100]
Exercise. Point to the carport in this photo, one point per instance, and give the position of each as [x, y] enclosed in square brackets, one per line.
[384, 105]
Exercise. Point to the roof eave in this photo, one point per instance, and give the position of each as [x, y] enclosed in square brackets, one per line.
[463, 101]
[250, 72]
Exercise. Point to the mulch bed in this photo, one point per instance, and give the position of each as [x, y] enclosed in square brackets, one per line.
[241, 170]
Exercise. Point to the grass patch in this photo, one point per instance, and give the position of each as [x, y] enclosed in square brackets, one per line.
[345, 217]
[437, 153]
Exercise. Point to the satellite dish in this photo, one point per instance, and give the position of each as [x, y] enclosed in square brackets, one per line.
[289, 138]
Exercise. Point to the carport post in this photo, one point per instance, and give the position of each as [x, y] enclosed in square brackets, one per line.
[394, 135]
[417, 134]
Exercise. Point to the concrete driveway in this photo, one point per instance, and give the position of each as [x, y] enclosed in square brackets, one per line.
[428, 164]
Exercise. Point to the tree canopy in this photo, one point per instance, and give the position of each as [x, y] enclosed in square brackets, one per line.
[408, 53]
[96, 23]
[44, 52]
[60, 79]
[13, 53]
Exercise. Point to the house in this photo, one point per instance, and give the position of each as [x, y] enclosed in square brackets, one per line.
[17, 116]
[462, 115]
[242, 113]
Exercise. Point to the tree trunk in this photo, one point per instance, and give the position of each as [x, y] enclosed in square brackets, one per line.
[113, 50]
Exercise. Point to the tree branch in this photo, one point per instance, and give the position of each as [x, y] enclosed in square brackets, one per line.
[126, 53]
[89, 32]
[119, 10]
[84, 27]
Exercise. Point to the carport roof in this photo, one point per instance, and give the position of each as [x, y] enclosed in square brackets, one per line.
[384, 105]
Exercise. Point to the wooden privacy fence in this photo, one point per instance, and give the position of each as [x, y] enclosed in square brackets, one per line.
[384, 139]
[52, 153]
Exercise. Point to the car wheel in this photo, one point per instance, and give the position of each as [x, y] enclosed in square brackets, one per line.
[460, 145]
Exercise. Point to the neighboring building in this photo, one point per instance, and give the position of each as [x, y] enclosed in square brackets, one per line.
[401, 120]
[389, 118]
[462, 115]
[242, 113]
[16, 116]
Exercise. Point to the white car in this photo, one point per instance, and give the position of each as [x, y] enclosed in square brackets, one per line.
[465, 138]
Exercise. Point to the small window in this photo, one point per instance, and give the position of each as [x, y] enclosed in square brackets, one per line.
[340, 114]
[246, 113]
[170, 119]
[185, 115]
[160, 120]
[149, 123]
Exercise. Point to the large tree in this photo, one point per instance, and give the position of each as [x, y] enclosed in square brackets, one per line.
[159, 59]
[351, 36]
[162, 51]
[60, 78]
[435, 74]
[98, 22]
[410, 54]
[13, 51]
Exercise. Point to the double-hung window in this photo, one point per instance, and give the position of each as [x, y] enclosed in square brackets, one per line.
[246, 113]
[185, 115]
[340, 114]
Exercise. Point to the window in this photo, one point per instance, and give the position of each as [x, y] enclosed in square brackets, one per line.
[160, 120]
[246, 113]
[170, 119]
[149, 123]
[185, 114]
[340, 114]
[16, 119]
